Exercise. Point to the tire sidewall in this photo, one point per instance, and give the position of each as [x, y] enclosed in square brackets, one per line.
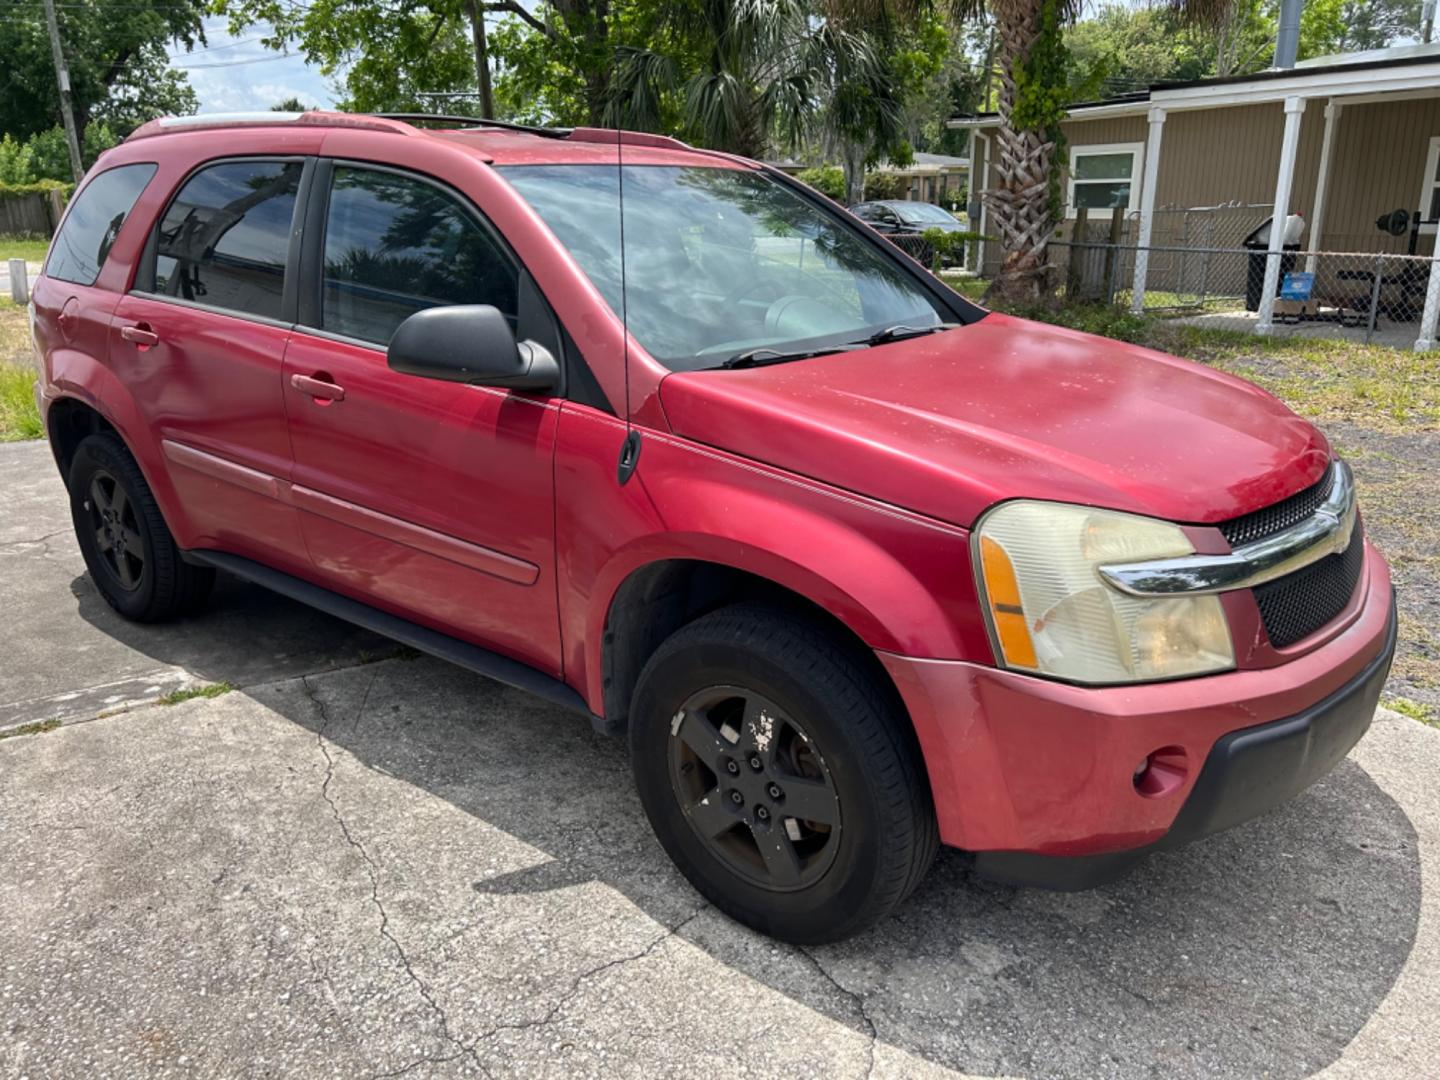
[672, 676]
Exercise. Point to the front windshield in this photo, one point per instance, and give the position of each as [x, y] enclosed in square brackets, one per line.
[927, 213]
[721, 261]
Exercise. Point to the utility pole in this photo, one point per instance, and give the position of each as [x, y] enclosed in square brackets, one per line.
[482, 59]
[62, 76]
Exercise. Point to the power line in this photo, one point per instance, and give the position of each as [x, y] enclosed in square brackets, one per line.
[240, 63]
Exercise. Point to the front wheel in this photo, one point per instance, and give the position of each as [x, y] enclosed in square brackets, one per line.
[780, 776]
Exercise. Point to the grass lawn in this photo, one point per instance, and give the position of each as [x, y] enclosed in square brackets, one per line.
[31, 249]
[1380, 407]
[18, 418]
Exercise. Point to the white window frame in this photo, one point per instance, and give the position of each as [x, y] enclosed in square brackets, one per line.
[1136, 150]
[1429, 183]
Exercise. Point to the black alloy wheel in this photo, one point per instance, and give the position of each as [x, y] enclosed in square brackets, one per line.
[117, 531]
[754, 787]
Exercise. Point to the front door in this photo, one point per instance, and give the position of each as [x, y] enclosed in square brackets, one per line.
[200, 342]
[433, 500]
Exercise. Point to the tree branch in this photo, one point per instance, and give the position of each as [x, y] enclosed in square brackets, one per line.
[514, 8]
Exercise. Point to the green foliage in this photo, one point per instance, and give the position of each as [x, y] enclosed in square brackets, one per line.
[1043, 92]
[213, 690]
[1336, 26]
[1416, 710]
[291, 104]
[1126, 48]
[881, 186]
[19, 419]
[945, 244]
[117, 53]
[44, 157]
[828, 180]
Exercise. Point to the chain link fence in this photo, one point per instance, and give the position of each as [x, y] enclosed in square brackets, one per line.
[1374, 297]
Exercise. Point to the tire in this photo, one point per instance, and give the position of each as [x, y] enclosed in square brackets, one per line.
[115, 514]
[829, 740]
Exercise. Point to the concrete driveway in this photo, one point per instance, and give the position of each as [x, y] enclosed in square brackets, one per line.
[363, 864]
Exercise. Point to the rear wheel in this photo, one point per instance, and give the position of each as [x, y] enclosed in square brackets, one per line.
[780, 775]
[132, 558]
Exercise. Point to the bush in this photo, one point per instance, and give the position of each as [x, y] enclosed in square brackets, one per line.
[827, 179]
[881, 186]
[45, 156]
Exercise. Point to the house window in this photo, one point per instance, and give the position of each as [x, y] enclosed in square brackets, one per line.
[1430, 192]
[1103, 177]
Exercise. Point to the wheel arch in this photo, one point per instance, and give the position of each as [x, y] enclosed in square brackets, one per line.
[660, 596]
[70, 417]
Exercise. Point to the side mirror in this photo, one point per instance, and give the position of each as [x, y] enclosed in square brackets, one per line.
[470, 343]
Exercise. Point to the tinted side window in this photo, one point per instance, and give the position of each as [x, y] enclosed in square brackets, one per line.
[94, 222]
[395, 245]
[225, 238]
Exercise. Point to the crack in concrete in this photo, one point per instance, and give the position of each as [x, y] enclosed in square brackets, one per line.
[373, 871]
[856, 998]
[45, 540]
[575, 987]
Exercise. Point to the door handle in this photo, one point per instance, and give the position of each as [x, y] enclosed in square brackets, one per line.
[317, 387]
[140, 335]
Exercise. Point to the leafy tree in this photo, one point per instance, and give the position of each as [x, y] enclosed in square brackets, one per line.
[1336, 26]
[291, 104]
[116, 51]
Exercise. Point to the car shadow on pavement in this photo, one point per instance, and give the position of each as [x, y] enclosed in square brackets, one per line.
[1260, 951]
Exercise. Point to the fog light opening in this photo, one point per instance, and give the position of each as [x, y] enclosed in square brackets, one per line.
[1161, 772]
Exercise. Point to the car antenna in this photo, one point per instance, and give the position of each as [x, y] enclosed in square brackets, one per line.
[630, 448]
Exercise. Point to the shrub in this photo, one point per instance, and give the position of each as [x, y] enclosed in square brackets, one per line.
[827, 179]
[881, 186]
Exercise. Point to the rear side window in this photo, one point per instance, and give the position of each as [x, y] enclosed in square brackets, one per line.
[90, 229]
[395, 245]
[225, 238]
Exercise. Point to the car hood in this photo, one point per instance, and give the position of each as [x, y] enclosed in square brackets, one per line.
[950, 424]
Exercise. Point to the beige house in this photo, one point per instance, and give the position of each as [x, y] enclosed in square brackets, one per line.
[1340, 140]
[930, 177]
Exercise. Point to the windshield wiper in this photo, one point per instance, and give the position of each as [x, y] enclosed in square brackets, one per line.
[900, 331]
[764, 357]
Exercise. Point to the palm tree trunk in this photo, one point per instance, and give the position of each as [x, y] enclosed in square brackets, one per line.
[1021, 201]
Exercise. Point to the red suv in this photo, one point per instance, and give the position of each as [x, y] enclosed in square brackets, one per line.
[861, 567]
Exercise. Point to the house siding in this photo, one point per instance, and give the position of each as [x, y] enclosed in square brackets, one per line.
[1214, 156]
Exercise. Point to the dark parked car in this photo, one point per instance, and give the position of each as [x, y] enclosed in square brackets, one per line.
[906, 223]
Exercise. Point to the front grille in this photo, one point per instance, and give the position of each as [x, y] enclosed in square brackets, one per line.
[1278, 518]
[1295, 606]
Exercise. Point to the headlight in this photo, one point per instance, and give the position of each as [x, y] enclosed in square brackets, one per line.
[1052, 614]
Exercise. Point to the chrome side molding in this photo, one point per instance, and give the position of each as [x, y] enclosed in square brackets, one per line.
[1328, 531]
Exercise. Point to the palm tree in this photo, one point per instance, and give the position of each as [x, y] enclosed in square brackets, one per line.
[767, 73]
[1031, 103]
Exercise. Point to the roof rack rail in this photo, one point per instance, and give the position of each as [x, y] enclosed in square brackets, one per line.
[418, 119]
[317, 118]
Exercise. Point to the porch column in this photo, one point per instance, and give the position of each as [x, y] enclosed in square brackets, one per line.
[1294, 109]
[1322, 183]
[1431, 315]
[1147, 208]
[979, 185]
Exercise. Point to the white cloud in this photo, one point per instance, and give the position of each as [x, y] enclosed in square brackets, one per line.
[238, 74]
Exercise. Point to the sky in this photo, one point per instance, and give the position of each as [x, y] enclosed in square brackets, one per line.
[239, 74]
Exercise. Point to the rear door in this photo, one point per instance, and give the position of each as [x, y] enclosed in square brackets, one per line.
[200, 342]
[434, 500]
[72, 311]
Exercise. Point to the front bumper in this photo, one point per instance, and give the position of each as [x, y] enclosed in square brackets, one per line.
[1038, 777]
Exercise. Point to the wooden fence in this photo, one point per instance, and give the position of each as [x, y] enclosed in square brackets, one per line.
[33, 213]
